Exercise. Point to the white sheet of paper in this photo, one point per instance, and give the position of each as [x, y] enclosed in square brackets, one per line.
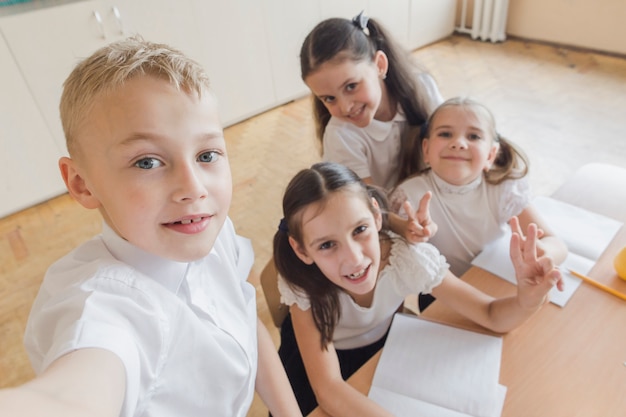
[586, 235]
[441, 366]
[403, 406]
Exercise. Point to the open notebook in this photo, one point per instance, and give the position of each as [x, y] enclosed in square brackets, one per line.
[430, 369]
[585, 233]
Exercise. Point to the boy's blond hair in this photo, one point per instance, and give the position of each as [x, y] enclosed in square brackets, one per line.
[111, 66]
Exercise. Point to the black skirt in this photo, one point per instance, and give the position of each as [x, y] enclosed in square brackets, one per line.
[350, 360]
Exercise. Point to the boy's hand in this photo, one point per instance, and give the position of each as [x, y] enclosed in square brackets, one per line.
[419, 226]
[535, 275]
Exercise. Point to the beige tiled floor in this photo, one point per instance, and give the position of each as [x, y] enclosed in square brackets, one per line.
[564, 107]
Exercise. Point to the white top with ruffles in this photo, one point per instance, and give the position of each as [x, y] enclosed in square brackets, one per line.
[412, 269]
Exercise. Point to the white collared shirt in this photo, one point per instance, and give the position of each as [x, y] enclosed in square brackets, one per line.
[373, 151]
[185, 332]
[467, 216]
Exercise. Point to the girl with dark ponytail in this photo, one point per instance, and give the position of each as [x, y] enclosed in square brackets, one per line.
[367, 93]
[344, 275]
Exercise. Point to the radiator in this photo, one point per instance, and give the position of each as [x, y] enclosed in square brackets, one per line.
[488, 19]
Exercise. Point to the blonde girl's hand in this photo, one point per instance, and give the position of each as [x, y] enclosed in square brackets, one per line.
[517, 228]
[535, 275]
[419, 227]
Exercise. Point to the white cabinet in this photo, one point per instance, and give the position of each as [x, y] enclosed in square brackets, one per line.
[47, 44]
[343, 8]
[28, 153]
[287, 23]
[162, 21]
[430, 21]
[250, 49]
[394, 19]
[234, 51]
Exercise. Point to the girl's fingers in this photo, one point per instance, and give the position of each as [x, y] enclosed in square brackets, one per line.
[530, 243]
[515, 226]
[515, 250]
[560, 284]
[408, 209]
[423, 213]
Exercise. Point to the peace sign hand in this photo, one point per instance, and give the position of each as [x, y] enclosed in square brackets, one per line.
[535, 275]
[419, 226]
[517, 228]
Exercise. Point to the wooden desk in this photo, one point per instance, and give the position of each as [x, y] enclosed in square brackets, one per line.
[563, 362]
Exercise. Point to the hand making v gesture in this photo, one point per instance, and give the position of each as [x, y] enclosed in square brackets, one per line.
[418, 226]
[535, 274]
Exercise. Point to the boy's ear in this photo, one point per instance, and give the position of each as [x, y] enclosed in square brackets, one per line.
[76, 185]
[382, 63]
[378, 216]
[300, 253]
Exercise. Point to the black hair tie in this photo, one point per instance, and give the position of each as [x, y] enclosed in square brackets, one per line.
[282, 226]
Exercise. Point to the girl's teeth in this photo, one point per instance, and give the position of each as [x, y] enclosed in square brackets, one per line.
[357, 275]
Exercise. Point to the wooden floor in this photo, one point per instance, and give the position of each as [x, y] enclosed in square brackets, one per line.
[564, 107]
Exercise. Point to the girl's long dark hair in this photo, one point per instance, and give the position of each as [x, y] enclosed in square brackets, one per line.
[316, 185]
[337, 39]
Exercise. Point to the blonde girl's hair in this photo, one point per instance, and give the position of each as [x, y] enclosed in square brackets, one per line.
[111, 66]
[336, 40]
[316, 185]
[511, 161]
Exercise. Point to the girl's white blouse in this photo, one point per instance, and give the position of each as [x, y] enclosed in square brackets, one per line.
[467, 216]
[412, 268]
[373, 151]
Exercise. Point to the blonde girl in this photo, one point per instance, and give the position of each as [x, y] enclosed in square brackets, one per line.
[478, 181]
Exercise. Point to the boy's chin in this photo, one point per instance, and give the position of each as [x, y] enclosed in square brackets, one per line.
[190, 254]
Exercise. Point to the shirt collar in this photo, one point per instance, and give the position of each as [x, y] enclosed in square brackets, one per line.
[168, 273]
[448, 188]
[379, 131]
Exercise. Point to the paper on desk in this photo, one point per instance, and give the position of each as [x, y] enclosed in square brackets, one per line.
[403, 406]
[438, 370]
[586, 235]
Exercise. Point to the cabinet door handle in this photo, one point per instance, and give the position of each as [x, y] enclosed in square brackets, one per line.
[118, 18]
[100, 24]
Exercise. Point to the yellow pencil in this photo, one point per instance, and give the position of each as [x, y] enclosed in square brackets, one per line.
[598, 285]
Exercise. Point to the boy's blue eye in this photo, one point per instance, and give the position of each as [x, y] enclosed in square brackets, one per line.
[351, 86]
[148, 163]
[209, 156]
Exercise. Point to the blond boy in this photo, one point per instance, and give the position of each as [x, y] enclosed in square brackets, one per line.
[153, 317]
